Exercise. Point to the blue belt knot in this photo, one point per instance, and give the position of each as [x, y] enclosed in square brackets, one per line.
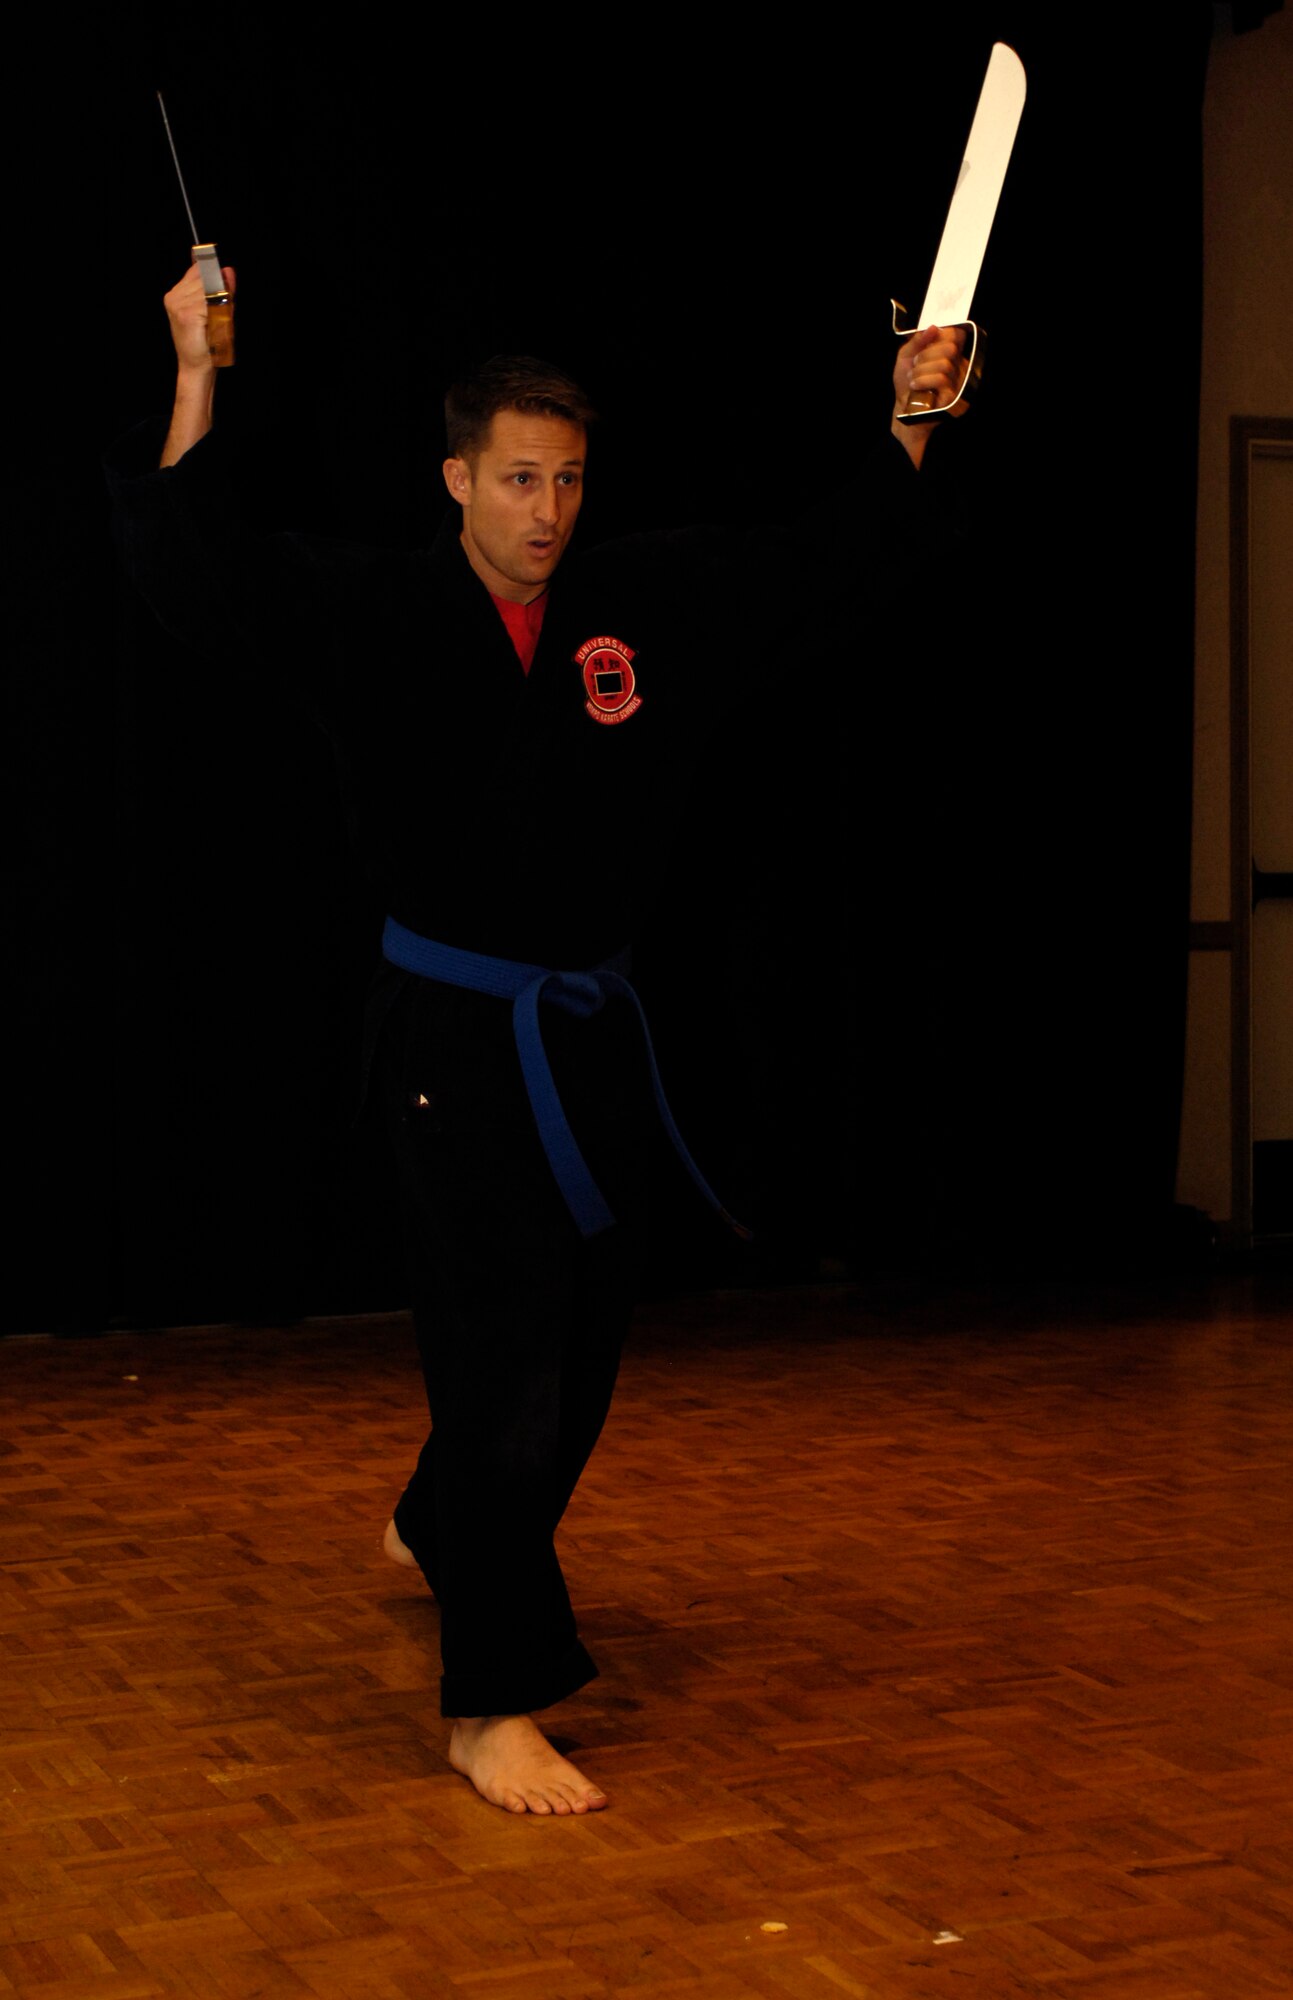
[581, 993]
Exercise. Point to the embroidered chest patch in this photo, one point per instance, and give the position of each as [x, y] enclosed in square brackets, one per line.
[609, 681]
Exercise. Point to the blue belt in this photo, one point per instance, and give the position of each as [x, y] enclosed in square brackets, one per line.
[578, 993]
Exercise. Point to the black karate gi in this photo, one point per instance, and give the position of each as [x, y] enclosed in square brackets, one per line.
[507, 815]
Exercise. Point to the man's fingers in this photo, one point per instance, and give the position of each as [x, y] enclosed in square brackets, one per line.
[933, 346]
[190, 315]
[931, 366]
[913, 347]
[188, 292]
[944, 344]
[938, 368]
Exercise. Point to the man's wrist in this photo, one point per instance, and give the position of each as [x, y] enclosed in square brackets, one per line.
[193, 412]
[914, 439]
[194, 381]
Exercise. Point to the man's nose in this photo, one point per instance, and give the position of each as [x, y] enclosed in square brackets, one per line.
[547, 507]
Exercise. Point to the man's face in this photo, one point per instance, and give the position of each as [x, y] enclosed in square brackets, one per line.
[520, 499]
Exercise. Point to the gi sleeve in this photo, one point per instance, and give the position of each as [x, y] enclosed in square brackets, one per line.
[283, 607]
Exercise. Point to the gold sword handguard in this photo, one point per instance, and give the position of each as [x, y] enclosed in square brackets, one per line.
[918, 410]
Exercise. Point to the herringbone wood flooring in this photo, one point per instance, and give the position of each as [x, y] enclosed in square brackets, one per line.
[956, 1640]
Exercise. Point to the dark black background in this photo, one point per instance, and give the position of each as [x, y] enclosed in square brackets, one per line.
[920, 976]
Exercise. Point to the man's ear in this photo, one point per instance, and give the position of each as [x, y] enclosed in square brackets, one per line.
[457, 477]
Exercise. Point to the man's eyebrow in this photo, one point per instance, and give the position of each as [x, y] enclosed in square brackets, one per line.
[539, 461]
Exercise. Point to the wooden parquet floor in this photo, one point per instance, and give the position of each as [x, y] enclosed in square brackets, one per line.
[955, 1642]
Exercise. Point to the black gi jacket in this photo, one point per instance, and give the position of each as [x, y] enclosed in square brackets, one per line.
[498, 812]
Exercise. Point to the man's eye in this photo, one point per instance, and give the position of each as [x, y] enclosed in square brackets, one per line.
[522, 478]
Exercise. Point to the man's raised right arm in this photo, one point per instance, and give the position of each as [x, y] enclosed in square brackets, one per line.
[233, 589]
[193, 412]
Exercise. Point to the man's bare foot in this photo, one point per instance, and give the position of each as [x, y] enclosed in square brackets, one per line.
[512, 1764]
[398, 1551]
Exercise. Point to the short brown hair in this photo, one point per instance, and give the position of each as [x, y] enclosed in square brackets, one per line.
[509, 382]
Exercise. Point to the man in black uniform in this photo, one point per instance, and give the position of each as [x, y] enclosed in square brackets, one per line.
[512, 754]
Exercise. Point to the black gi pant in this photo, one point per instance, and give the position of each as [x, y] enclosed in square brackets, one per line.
[520, 1321]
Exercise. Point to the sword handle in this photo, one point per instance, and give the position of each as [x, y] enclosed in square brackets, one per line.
[220, 331]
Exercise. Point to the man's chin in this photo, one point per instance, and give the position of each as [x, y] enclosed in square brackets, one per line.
[533, 574]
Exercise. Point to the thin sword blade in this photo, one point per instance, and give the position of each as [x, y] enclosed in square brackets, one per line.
[178, 175]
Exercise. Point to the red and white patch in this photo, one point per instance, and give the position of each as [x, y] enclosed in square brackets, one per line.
[609, 680]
